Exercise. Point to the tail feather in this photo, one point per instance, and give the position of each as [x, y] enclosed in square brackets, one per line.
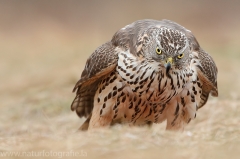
[83, 102]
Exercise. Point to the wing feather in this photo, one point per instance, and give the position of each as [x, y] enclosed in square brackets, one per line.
[100, 63]
[104, 60]
[207, 73]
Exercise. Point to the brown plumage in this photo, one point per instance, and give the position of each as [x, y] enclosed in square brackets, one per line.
[149, 72]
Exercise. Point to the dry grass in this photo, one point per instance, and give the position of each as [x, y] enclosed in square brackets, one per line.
[39, 66]
[36, 116]
[214, 134]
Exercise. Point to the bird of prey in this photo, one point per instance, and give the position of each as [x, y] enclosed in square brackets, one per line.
[149, 72]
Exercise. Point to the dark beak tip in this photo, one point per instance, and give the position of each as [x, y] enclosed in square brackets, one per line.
[168, 67]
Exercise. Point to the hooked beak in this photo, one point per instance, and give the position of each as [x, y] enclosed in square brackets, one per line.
[168, 64]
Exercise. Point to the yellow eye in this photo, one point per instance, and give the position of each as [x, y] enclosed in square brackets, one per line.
[181, 56]
[158, 51]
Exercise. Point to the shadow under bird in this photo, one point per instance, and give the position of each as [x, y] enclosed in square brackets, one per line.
[149, 72]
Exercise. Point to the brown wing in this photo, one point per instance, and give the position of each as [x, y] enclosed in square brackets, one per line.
[100, 63]
[208, 74]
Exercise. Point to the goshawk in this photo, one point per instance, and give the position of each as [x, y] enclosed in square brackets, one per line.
[149, 72]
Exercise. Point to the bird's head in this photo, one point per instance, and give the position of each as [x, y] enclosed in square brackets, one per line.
[167, 46]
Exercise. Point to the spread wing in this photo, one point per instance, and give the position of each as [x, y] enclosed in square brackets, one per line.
[100, 63]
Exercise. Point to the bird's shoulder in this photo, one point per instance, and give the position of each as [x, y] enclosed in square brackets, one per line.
[101, 62]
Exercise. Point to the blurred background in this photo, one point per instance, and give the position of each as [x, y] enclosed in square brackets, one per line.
[44, 46]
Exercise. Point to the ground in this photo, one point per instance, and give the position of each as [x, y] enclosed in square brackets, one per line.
[40, 64]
